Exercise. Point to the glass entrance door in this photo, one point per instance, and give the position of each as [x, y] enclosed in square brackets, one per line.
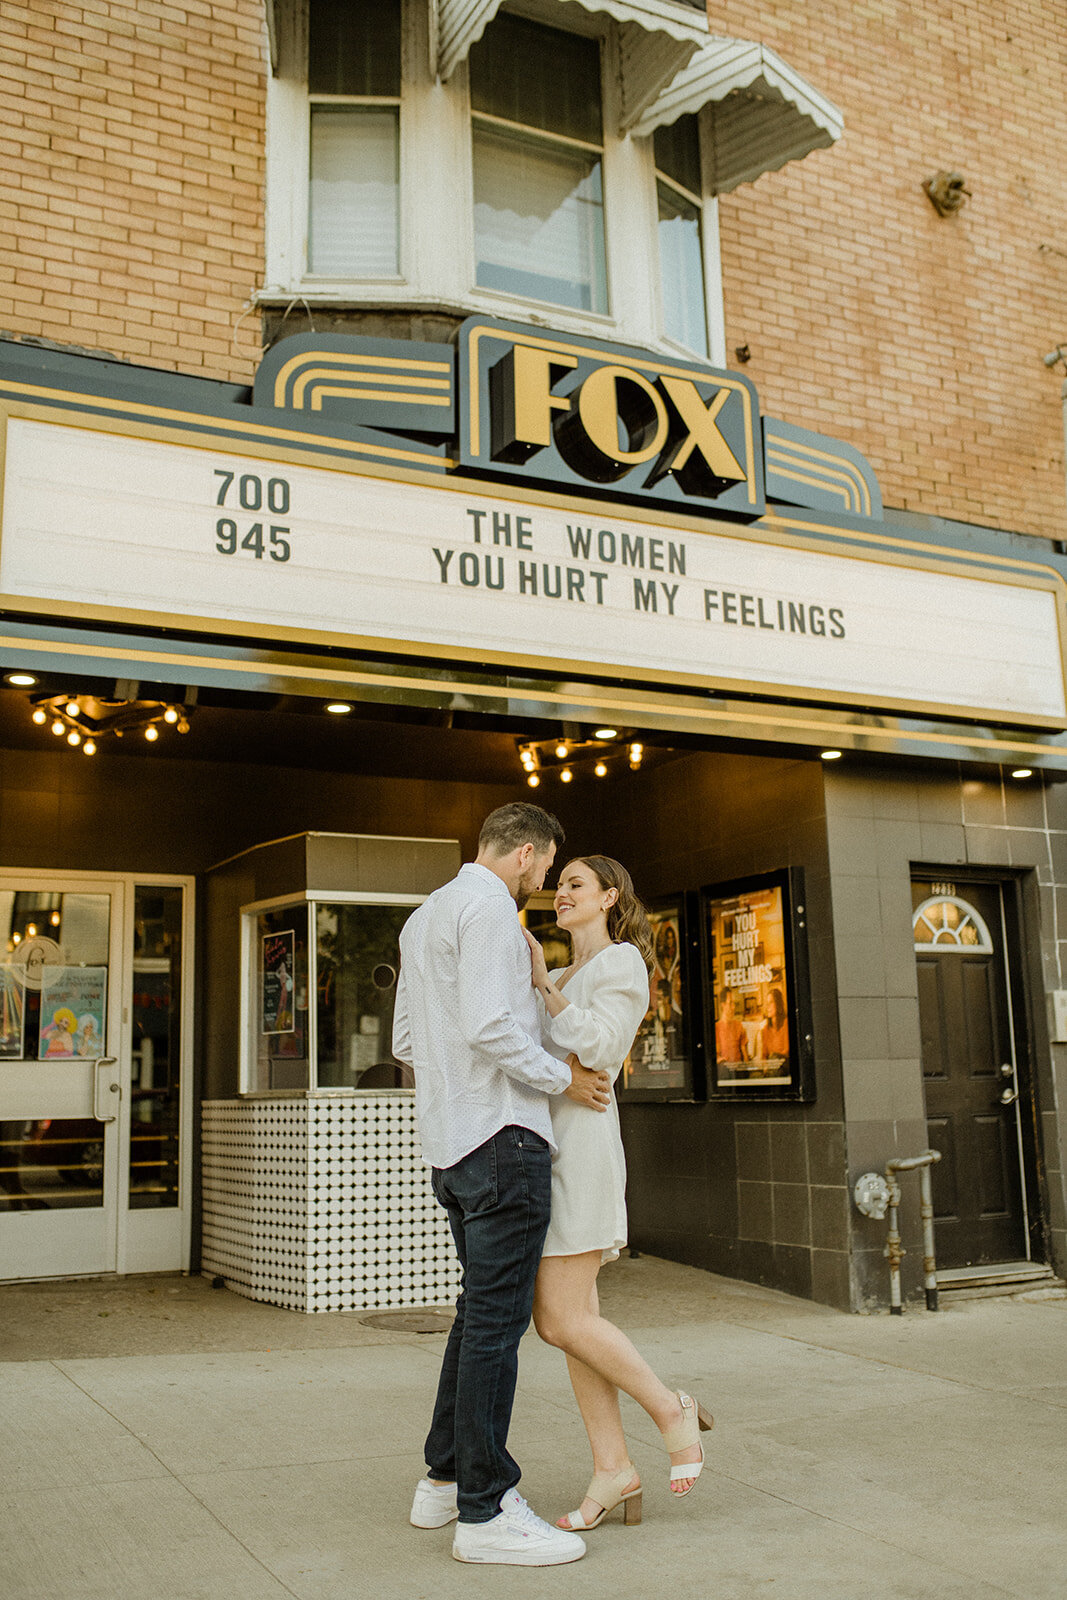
[95, 998]
[64, 1084]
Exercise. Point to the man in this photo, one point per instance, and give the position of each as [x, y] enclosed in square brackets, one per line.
[731, 1041]
[466, 1022]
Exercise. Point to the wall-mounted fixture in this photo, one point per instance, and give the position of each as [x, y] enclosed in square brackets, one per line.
[575, 756]
[84, 719]
[946, 192]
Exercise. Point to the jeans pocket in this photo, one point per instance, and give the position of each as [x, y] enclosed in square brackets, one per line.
[472, 1182]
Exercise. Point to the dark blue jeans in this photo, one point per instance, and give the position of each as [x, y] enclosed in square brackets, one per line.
[497, 1199]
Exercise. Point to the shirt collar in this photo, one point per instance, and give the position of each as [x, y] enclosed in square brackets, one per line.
[489, 880]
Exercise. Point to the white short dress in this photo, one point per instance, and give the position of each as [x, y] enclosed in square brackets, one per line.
[607, 999]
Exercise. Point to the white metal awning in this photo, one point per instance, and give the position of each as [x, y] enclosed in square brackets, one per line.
[763, 113]
[655, 42]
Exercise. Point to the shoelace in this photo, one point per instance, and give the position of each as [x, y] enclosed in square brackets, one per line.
[526, 1516]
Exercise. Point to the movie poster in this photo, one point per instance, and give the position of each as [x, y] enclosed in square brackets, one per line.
[278, 975]
[12, 1012]
[660, 1060]
[73, 1003]
[750, 981]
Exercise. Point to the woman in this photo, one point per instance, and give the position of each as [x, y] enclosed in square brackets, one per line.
[774, 1035]
[596, 1019]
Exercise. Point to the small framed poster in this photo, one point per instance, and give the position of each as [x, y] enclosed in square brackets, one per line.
[757, 994]
[661, 1064]
[278, 977]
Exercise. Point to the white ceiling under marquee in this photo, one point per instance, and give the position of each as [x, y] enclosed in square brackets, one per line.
[762, 112]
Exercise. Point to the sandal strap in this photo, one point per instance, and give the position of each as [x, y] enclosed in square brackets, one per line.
[606, 1488]
[684, 1433]
[692, 1469]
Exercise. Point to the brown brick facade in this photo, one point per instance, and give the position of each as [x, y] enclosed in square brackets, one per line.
[131, 205]
[131, 178]
[917, 337]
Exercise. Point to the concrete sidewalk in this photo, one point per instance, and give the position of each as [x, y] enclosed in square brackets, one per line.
[160, 1440]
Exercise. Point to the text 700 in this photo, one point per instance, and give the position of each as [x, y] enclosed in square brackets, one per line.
[251, 493]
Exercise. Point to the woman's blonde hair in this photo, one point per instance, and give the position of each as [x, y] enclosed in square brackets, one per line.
[627, 919]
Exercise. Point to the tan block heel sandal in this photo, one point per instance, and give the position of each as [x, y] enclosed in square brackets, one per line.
[608, 1490]
[684, 1434]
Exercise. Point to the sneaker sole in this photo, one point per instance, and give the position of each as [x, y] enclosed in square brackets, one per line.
[516, 1558]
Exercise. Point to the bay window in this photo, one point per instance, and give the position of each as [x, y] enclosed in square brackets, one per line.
[538, 145]
[354, 81]
[681, 249]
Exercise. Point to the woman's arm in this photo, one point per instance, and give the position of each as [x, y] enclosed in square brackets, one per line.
[601, 1033]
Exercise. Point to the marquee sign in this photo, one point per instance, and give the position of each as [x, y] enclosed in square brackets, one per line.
[527, 500]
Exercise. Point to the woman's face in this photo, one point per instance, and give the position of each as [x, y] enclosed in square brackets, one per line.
[580, 901]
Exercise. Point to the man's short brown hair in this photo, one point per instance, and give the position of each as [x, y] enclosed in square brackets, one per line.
[510, 826]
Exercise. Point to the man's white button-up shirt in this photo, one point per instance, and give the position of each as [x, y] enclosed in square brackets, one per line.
[466, 1019]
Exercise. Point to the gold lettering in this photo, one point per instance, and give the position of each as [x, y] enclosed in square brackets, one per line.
[600, 407]
[532, 376]
[703, 433]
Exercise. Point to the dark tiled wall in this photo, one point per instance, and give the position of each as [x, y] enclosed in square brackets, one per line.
[879, 827]
[756, 1191]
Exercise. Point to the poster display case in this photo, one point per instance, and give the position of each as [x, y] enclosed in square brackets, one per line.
[757, 994]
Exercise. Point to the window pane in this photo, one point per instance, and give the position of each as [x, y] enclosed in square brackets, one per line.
[539, 221]
[156, 1069]
[358, 962]
[352, 48]
[538, 76]
[677, 149]
[353, 227]
[280, 1051]
[51, 1165]
[682, 271]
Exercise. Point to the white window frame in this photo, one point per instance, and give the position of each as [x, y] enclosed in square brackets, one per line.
[437, 251]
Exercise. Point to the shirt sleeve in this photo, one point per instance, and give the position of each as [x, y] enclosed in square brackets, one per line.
[601, 1034]
[401, 1023]
[486, 976]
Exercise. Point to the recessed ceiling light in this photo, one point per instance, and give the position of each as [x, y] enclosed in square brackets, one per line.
[339, 708]
[21, 680]
[831, 755]
[1023, 772]
[606, 733]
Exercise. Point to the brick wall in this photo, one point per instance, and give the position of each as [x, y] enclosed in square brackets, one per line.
[131, 177]
[131, 220]
[917, 337]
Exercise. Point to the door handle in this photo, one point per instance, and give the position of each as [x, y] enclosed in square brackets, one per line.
[1007, 1070]
[104, 1087]
[1008, 1097]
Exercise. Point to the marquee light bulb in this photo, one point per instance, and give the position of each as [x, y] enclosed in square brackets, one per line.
[72, 708]
[533, 780]
[170, 715]
[562, 751]
[151, 733]
[54, 919]
[89, 747]
[183, 726]
[31, 930]
[58, 727]
[566, 775]
[40, 716]
[601, 770]
[74, 737]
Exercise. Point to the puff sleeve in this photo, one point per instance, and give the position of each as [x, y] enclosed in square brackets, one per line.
[602, 1032]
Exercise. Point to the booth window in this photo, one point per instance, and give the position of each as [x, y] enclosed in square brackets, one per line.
[350, 967]
[681, 250]
[354, 93]
[537, 135]
[157, 1047]
[280, 1053]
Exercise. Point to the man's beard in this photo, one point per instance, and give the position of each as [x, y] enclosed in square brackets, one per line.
[522, 897]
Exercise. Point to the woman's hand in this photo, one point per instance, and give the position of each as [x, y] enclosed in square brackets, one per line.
[538, 965]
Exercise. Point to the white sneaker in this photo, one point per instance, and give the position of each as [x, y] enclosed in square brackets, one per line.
[517, 1537]
[434, 1505]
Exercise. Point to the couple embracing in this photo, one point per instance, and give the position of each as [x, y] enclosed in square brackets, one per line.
[513, 1071]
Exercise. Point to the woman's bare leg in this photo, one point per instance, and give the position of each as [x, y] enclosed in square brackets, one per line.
[601, 1361]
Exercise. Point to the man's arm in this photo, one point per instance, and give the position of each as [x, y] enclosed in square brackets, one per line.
[486, 1001]
[402, 1023]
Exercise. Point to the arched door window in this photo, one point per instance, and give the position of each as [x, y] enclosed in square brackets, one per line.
[948, 922]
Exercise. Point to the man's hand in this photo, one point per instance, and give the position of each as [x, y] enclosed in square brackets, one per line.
[590, 1089]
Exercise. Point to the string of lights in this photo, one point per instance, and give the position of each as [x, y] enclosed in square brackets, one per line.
[563, 758]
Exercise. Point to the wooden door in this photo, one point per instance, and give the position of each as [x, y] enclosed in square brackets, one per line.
[969, 1073]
